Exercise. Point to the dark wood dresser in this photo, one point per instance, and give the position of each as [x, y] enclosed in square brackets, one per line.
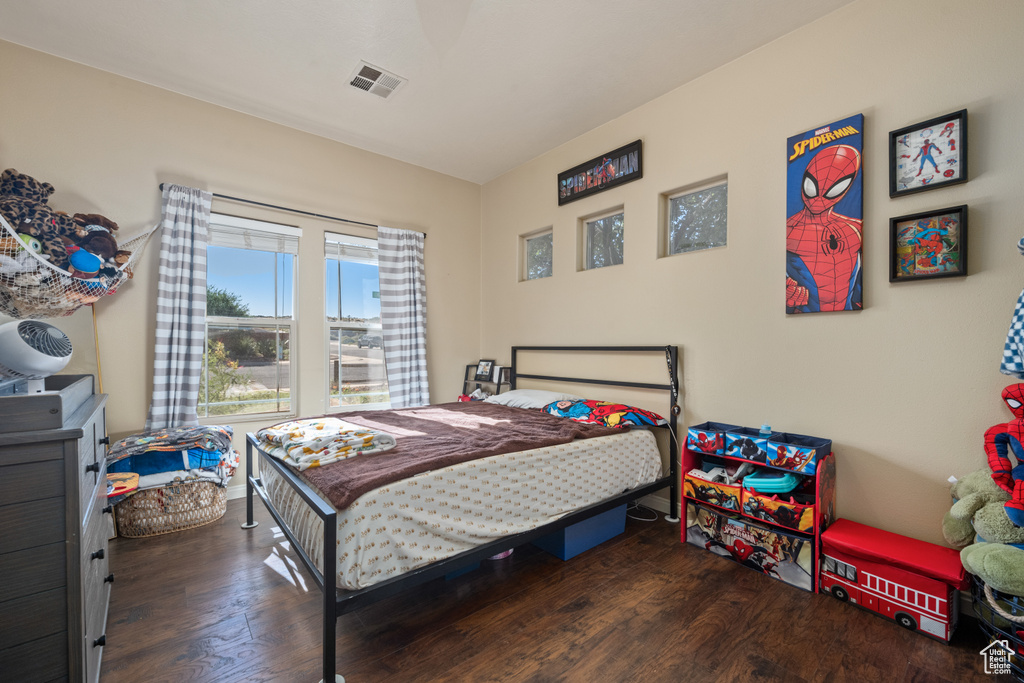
[54, 579]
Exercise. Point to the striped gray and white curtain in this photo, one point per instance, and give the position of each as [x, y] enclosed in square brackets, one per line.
[180, 308]
[403, 315]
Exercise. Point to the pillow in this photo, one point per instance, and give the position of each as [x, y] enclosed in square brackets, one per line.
[606, 413]
[529, 398]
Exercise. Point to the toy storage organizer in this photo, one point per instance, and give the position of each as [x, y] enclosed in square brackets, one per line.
[749, 520]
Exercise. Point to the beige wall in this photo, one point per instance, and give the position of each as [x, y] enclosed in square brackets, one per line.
[106, 143]
[906, 387]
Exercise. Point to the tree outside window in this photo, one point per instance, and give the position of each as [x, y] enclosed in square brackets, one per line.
[698, 219]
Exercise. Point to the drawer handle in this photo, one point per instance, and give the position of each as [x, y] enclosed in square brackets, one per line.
[105, 440]
[94, 467]
[101, 641]
[109, 579]
[109, 510]
[98, 555]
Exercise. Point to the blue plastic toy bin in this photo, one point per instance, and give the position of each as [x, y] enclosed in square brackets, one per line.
[708, 437]
[746, 443]
[576, 538]
[797, 452]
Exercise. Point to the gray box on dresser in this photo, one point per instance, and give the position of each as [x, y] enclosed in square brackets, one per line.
[54, 577]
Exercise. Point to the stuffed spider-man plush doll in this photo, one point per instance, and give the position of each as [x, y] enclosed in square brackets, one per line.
[999, 441]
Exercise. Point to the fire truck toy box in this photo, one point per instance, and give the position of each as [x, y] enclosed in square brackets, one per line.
[786, 557]
[913, 582]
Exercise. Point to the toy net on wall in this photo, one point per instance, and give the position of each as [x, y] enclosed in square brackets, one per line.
[32, 288]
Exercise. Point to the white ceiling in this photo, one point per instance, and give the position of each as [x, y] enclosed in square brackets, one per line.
[492, 83]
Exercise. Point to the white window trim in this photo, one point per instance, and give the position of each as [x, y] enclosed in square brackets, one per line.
[524, 250]
[337, 241]
[238, 233]
[666, 229]
[584, 236]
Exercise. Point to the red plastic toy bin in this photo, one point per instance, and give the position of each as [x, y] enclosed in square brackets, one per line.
[708, 437]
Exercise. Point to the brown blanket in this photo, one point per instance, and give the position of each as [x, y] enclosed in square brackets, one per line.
[433, 437]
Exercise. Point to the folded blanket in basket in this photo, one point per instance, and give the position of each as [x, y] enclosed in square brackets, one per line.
[205, 437]
[159, 468]
[321, 441]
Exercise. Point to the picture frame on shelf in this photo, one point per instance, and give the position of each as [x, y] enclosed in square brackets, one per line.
[928, 155]
[483, 370]
[928, 245]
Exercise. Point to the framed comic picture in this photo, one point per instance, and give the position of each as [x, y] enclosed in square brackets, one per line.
[927, 245]
[928, 155]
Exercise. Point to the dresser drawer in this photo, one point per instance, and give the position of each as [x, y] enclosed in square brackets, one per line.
[94, 558]
[92, 459]
[44, 659]
[27, 525]
[33, 617]
[31, 481]
[32, 571]
[97, 599]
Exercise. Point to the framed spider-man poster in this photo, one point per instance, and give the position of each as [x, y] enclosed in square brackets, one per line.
[928, 155]
[824, 209]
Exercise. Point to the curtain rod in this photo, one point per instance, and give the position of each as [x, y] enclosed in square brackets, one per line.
[285, 208]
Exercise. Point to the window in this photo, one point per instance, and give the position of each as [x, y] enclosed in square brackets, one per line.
[250, 273]
[697, 219]
[537, 251]
[602, 237]
[847, 571]
[355, 344]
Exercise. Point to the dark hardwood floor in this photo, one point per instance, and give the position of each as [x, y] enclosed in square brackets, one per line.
[223, 604]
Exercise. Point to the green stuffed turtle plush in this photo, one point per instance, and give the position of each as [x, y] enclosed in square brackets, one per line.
[23, 203]
[978, 511]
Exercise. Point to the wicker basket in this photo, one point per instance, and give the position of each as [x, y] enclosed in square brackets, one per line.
[175, 507]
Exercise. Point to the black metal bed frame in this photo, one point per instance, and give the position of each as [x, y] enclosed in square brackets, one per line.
[337, 602]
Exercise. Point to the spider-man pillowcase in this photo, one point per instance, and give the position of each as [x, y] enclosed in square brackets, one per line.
[605, 413]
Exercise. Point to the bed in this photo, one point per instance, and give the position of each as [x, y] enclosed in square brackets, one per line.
[447, 514]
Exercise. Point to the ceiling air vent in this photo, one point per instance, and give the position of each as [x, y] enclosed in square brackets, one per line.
[375, 80]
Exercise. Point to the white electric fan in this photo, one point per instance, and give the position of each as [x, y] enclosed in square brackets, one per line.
[32, 350]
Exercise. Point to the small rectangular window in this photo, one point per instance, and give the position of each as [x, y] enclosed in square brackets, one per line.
[697, 219]
[249, 362]
[356, 373]
[537, 254]
[603, 241]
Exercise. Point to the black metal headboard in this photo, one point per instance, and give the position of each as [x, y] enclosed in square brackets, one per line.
[672, 386]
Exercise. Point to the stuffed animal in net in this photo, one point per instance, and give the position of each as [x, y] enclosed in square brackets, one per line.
[95, 234]
[1000, 441]
[23, 203]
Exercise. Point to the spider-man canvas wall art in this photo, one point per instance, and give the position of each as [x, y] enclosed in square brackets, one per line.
[824, 192]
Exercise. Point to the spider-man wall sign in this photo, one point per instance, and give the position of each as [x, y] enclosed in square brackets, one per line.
[823, 231]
